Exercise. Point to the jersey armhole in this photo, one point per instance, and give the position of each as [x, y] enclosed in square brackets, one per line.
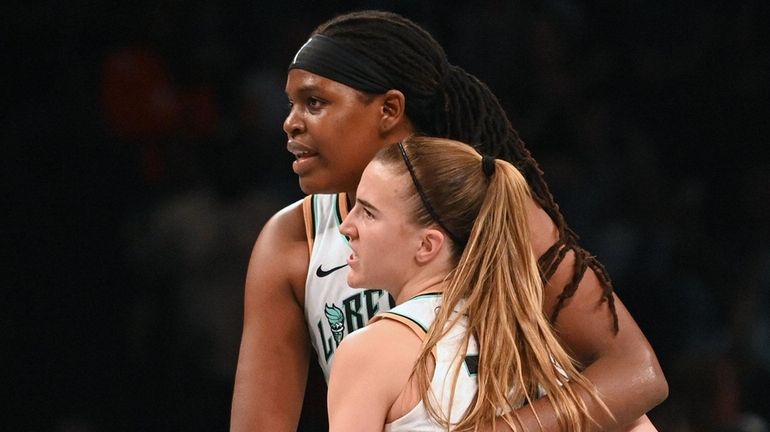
[308, 213]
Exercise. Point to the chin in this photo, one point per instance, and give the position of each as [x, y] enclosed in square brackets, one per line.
[307, 187]
[355, 282]
[325, 182]
[310, 187]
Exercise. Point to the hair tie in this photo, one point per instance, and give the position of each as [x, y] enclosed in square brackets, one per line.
[488, 165]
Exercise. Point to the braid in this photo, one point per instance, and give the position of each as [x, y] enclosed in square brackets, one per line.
[444, 100]
[473, 114]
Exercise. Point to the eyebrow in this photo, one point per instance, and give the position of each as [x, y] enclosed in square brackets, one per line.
[305, 88]
[366, 203]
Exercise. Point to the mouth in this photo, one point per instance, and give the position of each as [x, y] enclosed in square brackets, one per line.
[352, 258]
[302, 156]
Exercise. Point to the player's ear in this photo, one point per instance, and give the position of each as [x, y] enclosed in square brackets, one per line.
[433, 241]
[393, 111]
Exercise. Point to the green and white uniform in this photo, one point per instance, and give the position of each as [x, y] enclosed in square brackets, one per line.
[418, 314]
[333, 309]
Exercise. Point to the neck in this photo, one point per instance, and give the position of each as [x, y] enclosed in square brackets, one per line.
[415, 287]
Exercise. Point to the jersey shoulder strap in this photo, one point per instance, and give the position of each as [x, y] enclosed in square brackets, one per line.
[310, 211]
[405, 320]
[309, 215]
[417, 313]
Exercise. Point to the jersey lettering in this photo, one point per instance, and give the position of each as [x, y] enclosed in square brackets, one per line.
[372, 305]
[349, 318]
[352, 306]
[327, 341]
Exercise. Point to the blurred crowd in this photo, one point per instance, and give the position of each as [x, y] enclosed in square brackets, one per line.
[144, 151]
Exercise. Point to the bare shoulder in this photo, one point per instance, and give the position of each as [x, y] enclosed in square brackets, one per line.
[380, 339]
[543, 230]
[280, 255]
[544, 234]
[384, 351]
[288, 224]
[371, 368]
[585, 321]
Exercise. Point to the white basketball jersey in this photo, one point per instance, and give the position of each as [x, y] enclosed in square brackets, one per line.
[419, 313]
[332, 308]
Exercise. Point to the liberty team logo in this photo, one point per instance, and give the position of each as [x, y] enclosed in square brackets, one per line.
[351, 314]
[336, 318]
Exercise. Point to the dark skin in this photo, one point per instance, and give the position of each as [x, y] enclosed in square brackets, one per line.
[335, 130]
[626, 354]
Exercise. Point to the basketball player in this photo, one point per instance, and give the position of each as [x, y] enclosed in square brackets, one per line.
[363, 81]
[469, 321]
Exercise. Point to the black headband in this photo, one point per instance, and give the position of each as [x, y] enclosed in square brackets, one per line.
[324, 56]
[424, 197]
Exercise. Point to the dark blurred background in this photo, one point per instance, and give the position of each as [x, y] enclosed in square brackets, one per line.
[143, 151]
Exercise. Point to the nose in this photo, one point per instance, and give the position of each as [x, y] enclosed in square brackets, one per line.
[293, 124]
[346, 228]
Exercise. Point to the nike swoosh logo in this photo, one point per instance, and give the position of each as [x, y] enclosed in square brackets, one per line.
[323, 273]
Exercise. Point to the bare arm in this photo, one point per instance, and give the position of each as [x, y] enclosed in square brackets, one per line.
[371, 369]
[275, 349]
[622, 366]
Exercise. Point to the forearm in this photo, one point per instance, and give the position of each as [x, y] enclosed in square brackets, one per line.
[642, 424]
[621, 365]
[629, 414]
[630, 385]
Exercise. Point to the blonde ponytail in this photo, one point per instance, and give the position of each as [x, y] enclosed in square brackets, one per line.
[497, 285]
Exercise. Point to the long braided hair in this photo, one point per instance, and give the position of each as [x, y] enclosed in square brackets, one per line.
[444, 100]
